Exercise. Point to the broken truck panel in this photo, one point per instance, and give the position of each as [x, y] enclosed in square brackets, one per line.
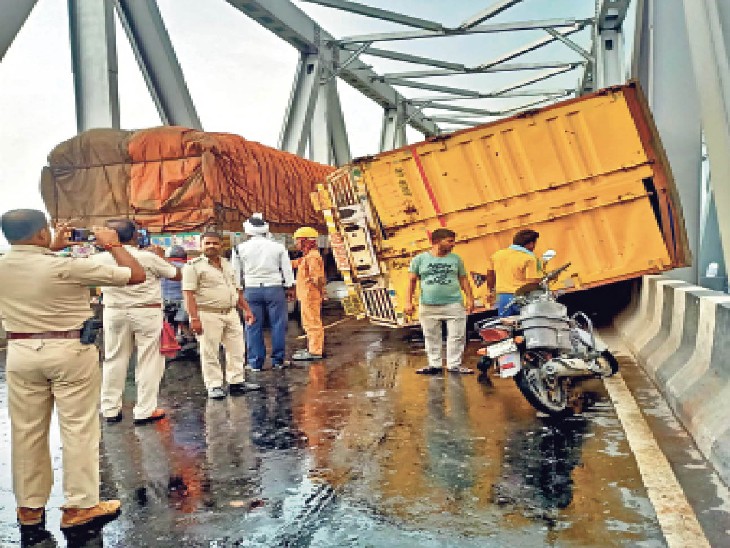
[589, 174]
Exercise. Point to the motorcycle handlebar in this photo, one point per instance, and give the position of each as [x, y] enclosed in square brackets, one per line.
[550, 276]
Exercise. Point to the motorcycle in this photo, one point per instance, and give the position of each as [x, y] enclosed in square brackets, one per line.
[546, 351]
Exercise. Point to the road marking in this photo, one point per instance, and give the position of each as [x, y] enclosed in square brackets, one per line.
[676, 517]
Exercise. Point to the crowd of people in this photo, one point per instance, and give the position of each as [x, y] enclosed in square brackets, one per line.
[52, 360]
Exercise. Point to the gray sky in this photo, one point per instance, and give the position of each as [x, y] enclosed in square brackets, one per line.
[239, 74]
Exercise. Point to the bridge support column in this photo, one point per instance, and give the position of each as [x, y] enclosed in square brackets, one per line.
[298, 119]
[94, 60]
[708, 27]
[609, 43]
[157, 60]
[393, 132]
[663, 65]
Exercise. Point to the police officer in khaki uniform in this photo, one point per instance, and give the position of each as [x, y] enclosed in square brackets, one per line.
[133, 319]
[45, 300]
[212, 292]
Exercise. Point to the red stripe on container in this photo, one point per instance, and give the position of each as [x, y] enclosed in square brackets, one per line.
[427, 185]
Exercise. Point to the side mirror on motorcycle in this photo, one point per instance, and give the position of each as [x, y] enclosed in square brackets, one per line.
[548, 255]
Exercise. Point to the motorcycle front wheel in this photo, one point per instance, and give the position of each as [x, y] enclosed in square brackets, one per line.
[546, 395]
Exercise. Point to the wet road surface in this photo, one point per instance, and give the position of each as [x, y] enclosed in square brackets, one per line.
[358, 450]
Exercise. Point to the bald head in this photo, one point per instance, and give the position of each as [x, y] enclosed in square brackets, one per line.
[21, 225]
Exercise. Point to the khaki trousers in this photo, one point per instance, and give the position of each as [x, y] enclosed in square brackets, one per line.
[430, 317]
[41, 373]
[311, 312]
[217, 329]
[125, 329]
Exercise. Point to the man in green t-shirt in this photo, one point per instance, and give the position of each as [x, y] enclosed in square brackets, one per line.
[442, 278]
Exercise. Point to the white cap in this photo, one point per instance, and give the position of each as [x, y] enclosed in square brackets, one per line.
[256, 226]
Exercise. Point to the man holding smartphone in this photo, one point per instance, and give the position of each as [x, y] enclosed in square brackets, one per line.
[44, 299]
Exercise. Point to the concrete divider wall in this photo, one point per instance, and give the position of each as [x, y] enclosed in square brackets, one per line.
[680, 334]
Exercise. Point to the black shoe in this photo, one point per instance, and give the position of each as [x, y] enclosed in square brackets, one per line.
[429, 370]
[115, 418]
[156, 415]
[242, 388]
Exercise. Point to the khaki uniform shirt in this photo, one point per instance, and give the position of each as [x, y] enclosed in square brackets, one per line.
[215, 288]
[146, 293]
[40, 291]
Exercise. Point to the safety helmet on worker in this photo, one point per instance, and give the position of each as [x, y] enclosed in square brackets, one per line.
[305, 232]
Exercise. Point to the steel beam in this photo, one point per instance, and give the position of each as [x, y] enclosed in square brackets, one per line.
[497, 27]
[298, 119]
[488, 13]
[534, 79]
[612, 13]
[392, 134]
[94, 61]
[378, 13]
[463, 92]
[156, 57]
[480, 111]
[320, 136]
[291, 24]
[549, 95]
[663, 65]
[12, 17]
[340, 143]
[461, 121]
[708, 27]
[406, 57]
[572, 45]
[609, 43]
[505, 67]
[458, 108]
[532, 46]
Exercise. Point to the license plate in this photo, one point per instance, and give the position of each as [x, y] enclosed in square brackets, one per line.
[501, 348]
[509, 364]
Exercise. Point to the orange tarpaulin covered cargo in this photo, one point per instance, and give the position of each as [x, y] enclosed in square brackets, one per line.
[175, 179]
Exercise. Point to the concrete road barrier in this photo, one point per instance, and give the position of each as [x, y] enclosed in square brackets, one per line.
[680, 334]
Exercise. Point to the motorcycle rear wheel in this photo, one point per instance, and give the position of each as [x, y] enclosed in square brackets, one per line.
[536, 387]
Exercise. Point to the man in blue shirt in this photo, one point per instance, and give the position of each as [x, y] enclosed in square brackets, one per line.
[442, 278]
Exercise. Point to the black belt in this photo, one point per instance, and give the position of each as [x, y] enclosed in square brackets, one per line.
[215, 310]
[73, 334]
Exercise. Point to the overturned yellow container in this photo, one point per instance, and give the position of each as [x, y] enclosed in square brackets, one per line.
[589, 174]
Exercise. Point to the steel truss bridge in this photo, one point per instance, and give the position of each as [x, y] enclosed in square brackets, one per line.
[677, 49]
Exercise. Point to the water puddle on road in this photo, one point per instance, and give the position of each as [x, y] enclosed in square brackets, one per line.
[358, 450]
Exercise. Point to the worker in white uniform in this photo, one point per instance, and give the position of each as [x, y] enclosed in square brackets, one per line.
[133, 320]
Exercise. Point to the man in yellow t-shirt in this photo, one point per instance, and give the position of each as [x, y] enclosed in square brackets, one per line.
[509, 269]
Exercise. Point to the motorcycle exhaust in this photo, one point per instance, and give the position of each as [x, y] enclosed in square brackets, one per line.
[565, 367]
